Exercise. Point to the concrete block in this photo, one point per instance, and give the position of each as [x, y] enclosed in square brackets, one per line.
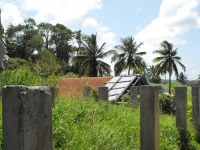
[86, 91]
[181, 107]
[27, 118]
[103, 93]
[149, 118]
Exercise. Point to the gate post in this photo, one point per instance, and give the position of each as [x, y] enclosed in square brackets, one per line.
[149, 118]
[27, 118]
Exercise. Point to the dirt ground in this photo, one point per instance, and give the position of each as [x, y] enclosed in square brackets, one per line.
[73, 87]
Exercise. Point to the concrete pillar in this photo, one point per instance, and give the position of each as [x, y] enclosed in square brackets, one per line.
[195, 105]
[134, 91]
[86, 91]
[27, 118]
[181, 107]
[149, 118]
[196, 110]
[103, 93]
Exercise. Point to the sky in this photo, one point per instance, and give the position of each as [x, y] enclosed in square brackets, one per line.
[177, 21]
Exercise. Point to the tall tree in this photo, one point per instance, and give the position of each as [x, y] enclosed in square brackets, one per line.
[152, 74]
[45, 30]
[167, 60]
[182, 78]
[22, 39]
[92, 55]
[60, 39]
[129, 57]
[78, 37]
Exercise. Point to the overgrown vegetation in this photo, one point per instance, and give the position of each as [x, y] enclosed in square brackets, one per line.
[91, 125]
[88, 124]
[24, 76]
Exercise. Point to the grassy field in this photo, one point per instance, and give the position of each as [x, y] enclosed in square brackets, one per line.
[88, 124]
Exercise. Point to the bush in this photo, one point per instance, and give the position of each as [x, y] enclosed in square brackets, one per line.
[167, 103]
[155, 79]
[15, 63]
[126, 98]
[46, 64]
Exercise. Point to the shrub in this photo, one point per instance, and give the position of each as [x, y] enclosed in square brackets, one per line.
[167, 103]
[46, 64]
[71, 75]
[125, 98]
[155, 79]
[15, 63]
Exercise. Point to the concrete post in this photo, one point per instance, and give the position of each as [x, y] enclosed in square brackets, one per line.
[195, 105]
[103, 93]
[196, 110]
[27, 118]
[86, 91]
[134, 95]
[181, 107]
[149, 118]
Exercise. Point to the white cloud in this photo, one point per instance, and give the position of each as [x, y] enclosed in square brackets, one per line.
[175, 18]
[11, 14]
[68, 12]
[90, 22]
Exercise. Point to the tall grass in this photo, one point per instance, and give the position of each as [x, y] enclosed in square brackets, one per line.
[24, 76]
[89, 125]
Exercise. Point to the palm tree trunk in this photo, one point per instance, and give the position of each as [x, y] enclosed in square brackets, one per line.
[169, 83]
[129, 70]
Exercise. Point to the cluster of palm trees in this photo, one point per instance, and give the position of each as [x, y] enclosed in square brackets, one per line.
[126, 56]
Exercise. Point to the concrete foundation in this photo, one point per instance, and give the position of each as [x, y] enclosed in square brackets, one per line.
[149, 118]
[181, 107]
[103, 93]
[27, 118]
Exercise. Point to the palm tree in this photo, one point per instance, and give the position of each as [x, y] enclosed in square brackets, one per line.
[182, 78]
[91, 57]
[152, 74]
[129, 57]
[167, 60]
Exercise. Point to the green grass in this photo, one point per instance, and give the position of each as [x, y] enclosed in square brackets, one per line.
[89, 125]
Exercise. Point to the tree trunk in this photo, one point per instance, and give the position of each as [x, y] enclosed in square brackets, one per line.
[169, 83]
[129, 70]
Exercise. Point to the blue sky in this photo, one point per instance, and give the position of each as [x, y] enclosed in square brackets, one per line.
[149, 22]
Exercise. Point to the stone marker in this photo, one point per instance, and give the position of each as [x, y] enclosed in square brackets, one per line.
[181, 107]
[103, 93]
[149, 118]
[27, 118]
[86, 91]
